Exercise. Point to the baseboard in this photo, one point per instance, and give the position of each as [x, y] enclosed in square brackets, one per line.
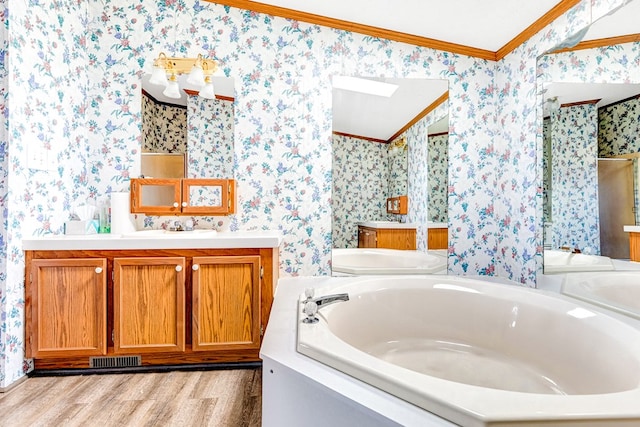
[141, 369]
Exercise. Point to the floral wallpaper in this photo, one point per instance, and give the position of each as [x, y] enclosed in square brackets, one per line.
[360, 182]
[574, 178]
[619, 134]
[164, 127]
[72, 93]
[397, 174]
[438, 176]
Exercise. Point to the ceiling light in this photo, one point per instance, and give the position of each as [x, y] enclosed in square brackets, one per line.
[370, 87]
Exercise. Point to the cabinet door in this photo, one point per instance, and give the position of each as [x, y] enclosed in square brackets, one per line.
[156, 196]
[208, 196]
[69, 303]
[148, 304]
[226, 302]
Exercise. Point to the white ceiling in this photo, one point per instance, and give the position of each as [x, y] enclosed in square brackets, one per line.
[403, 103]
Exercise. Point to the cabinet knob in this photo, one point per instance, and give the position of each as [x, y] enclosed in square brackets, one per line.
[195, 267]
[175, 204]
[98, 270]
[184, 204]
[178, 268]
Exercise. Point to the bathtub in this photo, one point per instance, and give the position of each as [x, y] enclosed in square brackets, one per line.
[477, 353]
[556, 261]
[616, 290]
[386, 261]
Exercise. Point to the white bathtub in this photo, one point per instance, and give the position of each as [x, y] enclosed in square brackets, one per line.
[386, 261]
[615, 290]
[556, 261]
[477, 353]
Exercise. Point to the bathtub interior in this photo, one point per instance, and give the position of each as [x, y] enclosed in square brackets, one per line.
[616, 290]
[556, 261]
[467, 349]
[386, 261]
[494, 343]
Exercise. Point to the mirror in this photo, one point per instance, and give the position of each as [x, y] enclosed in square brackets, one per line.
[375, 142]
[590, 134]
[200, 130]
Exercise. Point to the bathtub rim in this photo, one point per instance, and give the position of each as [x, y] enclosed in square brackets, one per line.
[573, 289]
[375, 271]
[466, 404]
[605, 264]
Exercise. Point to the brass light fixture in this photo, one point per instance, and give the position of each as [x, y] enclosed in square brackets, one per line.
[398, 144]
[199, 70]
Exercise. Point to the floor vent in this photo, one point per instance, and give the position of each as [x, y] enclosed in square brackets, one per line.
[115, 361]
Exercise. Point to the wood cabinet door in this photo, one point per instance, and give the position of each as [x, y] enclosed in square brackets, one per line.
[69, 307]
[226, 302]
[148, 304]
[367, 237]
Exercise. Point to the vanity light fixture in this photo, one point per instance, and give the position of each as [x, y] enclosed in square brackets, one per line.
[199, 70]
[367, 86]
[398, 144]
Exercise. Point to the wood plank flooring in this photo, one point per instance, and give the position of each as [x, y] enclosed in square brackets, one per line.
[179, 398]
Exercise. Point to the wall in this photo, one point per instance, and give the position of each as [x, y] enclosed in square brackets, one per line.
[75, 91]
[4, 190]
[619, 134]
[574, 178]
[438, 177]
[164, 127]
[360, 182]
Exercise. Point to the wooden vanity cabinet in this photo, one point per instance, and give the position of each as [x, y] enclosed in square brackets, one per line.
[389, 238]
[186, 196]
[148, 304]
[168, 306]
[68, 302]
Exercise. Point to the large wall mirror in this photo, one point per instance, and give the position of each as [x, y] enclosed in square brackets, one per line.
[591, 146]
[375, 140]
[188, 136]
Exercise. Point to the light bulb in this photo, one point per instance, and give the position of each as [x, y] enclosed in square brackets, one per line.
[172, 90]
[196, 76]
[207, 91]
[158, 76]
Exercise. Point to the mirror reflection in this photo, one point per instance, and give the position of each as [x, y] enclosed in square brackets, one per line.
[591, 147]
[195, 129]
[375, 140]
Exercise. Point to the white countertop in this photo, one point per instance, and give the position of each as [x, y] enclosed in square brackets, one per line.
[437, 224]
[387, 224]
[632, 228]
[220, 240]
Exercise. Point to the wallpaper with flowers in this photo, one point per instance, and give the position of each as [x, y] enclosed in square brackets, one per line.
[398, 169]
[619, 134]
[164, 127]
[360, 182]
[438, 177]
[72, 91]
[574, 178]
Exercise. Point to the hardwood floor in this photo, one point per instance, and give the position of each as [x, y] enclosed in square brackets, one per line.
[180, 398]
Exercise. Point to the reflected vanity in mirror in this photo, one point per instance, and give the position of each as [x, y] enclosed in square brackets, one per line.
[187, 151]
[374, 137]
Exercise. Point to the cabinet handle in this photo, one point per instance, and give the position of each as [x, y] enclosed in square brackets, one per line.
[178, 268]
[195, 267]
[184, 204]
[175, 204]
[98, 270]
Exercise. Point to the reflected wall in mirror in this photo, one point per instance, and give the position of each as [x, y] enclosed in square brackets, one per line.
[200, 129]
[438, 170]
[374, 138]
[589, 181]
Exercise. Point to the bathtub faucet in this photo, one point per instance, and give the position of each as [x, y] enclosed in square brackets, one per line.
[312, 305]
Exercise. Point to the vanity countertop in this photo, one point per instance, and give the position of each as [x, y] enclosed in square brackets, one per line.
[632, 228]
[186, 240]
[387, 224]
[437, 224]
